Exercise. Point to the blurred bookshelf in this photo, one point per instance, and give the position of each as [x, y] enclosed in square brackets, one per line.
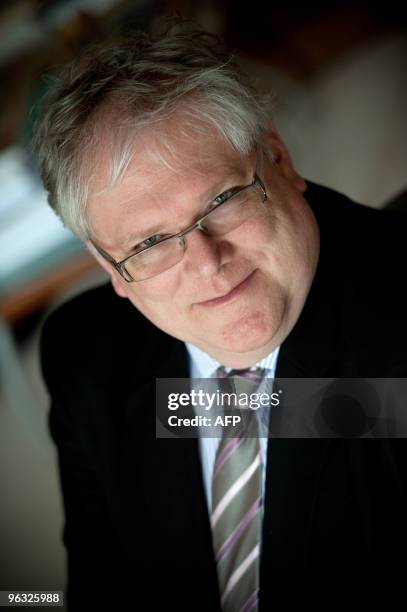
[40, 259]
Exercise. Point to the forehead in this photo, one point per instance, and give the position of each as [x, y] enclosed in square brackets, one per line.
[176, 167]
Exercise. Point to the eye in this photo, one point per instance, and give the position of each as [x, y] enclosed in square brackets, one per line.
[224, 196]
[151, 241]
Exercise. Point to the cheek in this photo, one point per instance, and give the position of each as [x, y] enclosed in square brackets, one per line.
[291, 235]
[156, 299]
[155, 292]
[254, 238]
[264, 243]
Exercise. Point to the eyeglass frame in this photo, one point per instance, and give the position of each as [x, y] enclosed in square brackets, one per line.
[119, 266]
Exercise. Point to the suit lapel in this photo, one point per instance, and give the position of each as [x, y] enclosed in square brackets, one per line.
[170, 471]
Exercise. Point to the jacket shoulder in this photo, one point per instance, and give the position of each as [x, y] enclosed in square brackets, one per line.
[331, 206]
[363, 254]
[93, 336]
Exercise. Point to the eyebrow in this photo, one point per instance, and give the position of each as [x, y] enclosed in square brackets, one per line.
[130, 243]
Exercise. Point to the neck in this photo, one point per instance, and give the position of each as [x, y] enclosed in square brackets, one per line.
[240, 361]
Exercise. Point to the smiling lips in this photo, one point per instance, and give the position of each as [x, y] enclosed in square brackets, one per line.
[228, 296]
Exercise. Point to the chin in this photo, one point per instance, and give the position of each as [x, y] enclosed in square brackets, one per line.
[249, 334]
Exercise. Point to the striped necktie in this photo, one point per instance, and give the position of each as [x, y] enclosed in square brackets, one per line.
[236, 506]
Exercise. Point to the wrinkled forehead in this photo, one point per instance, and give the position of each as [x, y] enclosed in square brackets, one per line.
[155, 156]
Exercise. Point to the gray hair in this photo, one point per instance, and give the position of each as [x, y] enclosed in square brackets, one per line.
[115, 90]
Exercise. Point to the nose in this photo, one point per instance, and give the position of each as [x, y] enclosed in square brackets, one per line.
[202, 257]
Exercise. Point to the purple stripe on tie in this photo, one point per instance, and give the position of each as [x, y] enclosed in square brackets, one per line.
[226, 452]
[250, 602]
[234, 536]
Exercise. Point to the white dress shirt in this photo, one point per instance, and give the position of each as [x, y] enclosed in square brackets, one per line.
[203, 366]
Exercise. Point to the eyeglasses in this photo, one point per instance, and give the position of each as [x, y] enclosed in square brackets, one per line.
[234, 208]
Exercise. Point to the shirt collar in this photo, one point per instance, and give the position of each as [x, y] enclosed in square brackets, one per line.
[203, 365]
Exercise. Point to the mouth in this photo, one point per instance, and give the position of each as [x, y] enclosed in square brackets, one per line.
[228, 297]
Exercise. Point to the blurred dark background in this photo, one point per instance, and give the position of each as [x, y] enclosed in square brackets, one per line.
[338, 74]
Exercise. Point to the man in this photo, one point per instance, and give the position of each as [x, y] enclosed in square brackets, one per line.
[162, 158]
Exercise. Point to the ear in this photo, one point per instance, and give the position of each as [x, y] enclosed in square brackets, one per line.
[282, 159]
[119, 284]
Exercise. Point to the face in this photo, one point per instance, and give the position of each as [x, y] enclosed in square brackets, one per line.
[263, 268]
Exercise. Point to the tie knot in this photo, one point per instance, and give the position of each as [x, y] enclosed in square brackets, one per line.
[254, 374]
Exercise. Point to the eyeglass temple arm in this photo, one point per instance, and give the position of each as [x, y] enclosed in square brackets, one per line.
[259, 182]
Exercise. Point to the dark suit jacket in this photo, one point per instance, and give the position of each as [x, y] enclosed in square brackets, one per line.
[137, 527]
